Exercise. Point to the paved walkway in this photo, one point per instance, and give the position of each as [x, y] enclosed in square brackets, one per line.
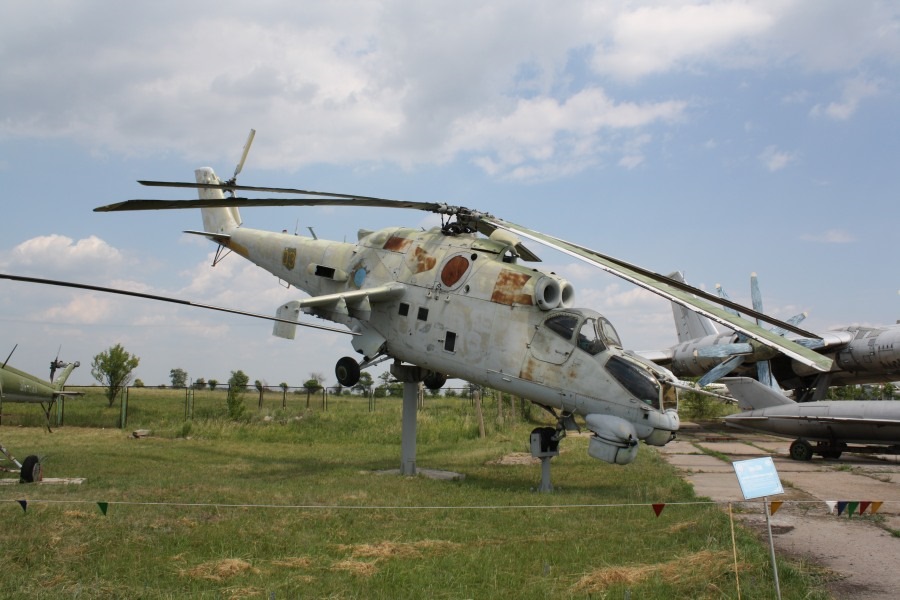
[862, 554]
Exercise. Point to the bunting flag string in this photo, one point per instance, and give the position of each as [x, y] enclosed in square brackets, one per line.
[850, 506]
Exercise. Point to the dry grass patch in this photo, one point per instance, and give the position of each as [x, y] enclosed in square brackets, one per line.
[690, 570]
[387, 550]
[220, 570]
[357, 567]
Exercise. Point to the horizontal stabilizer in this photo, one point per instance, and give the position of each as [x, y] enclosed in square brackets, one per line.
[752, 395]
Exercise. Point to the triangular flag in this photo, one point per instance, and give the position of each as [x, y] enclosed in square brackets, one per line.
[658, 508]
[774, 506]
[851, 508]
[863, 506]
[842, 504]
[103, 506]
[23, 504]
[831, 504]
[875, 507]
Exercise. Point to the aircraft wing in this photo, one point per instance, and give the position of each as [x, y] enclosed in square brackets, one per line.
[356, 304]
[684, 295]
[219, 238]
[660, 357]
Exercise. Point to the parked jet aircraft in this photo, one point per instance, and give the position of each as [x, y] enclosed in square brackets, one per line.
[833, 425]
[18, 386]
[860, 354]
[456, 301]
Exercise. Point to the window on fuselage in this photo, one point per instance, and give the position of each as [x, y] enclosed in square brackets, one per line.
[608, 333]
[634, 379]
[589, 338]
[563, 325]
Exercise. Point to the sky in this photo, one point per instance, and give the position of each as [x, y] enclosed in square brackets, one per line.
[718, 138]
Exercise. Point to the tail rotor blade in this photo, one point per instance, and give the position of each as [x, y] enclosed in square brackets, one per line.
[240, 165]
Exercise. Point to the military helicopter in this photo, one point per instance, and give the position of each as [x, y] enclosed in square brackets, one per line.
[18, 386]
[461, 300]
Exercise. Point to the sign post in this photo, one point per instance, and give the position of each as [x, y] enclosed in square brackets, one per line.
[758, 478]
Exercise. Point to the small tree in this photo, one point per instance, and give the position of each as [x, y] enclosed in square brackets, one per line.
[112, 368]
[237, 386]
[199, 383]
[138, 383]
[178, 377]
[284, 388]
[212, 383]
[311, 385]
[364, 385]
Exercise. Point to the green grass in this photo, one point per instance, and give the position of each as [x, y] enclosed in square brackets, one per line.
[296, 507]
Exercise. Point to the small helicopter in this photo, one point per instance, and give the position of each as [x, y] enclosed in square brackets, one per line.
[463, 300]
[18, 386]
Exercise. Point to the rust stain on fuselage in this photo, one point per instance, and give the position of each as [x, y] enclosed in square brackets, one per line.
[509, 288]
[424, 261]
[397, 244]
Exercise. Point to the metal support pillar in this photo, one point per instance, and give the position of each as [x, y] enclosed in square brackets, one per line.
[410, 376]
[408, 438]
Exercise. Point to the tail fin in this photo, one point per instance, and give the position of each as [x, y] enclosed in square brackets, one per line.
[216, 220]
[688, 324]
[60, 381]
[753, 395]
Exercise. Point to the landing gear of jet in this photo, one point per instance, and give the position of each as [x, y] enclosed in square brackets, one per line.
[801, 450]
[29, 470]
[347, 371]
[32, 470]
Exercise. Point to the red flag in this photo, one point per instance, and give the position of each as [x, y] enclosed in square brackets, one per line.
[863, 506]
[658, 508]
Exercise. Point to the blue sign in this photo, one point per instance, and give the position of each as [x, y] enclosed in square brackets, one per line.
[757, 477]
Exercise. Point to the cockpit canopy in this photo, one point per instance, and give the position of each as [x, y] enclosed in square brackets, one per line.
[588, 329]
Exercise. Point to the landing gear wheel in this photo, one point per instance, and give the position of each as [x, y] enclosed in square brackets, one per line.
[831, 454]
[801, 450]
[347, 371]
[31, 470]
[435, 381]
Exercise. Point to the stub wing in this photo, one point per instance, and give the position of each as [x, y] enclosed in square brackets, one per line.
[684, 295]
[356, 304]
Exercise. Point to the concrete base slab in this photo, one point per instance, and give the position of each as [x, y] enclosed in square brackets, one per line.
[428, 474]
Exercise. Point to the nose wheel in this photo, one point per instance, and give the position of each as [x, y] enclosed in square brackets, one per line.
[347, 371]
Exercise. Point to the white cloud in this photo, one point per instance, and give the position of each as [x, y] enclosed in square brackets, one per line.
[775, 160]
[854, 92]
[655, 39]
[399, 82]
[58, 253]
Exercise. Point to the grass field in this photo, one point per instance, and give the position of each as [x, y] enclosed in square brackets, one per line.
[297, 507]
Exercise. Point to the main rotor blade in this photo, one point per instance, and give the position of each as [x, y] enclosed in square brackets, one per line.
[141, 204]
[233, 187]
[97, 288]
[685, 295]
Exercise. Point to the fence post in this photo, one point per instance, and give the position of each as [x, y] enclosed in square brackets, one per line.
[124, 416]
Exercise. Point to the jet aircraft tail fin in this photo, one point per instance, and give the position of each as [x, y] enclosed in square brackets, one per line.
[689, 324]
[753, 395]
[216, 220]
